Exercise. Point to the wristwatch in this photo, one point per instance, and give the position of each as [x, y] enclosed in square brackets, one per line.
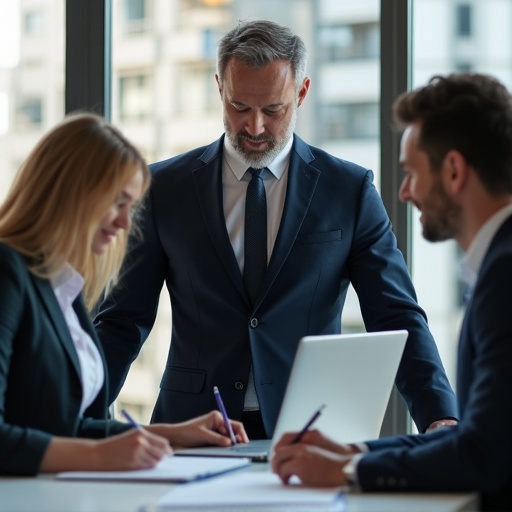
[350, 471]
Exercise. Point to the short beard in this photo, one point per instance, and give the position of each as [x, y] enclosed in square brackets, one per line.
[260, 159]
[447, 219]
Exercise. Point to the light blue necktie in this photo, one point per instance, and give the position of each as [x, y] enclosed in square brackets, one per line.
[255, 245]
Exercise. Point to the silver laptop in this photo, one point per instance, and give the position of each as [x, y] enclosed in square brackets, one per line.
[352, 374]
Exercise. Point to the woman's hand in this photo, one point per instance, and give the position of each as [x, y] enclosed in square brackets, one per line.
[135, 449]
[208, 429]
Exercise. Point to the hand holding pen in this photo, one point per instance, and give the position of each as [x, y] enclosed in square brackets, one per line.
[148, 435]
[222, 409]
[130, 419]
[308, 425]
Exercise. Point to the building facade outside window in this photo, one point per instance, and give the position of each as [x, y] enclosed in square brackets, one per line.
[165, 100]
[136, 97]
[31, 78]
[29, 114]
[136, 18]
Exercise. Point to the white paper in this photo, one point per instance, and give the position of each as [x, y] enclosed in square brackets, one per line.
[250, 489]
[169, 469]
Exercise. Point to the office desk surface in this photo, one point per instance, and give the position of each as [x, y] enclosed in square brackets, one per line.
[45, 494]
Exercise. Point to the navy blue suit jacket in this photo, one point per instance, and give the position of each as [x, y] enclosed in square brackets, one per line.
[477, 454]
[40, 388]
[334, 230]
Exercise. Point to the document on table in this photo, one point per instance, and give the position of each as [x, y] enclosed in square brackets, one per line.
[169, 469]
[251, 490]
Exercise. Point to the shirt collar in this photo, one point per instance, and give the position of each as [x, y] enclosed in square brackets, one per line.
[67, 285]
[239, 167]
[472, 260]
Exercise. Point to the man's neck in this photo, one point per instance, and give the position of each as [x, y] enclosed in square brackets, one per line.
[475, 216]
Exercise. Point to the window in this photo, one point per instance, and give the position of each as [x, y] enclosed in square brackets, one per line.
[34, 23]
[31, 78]
[174, 104]
[463, 66]
[435, 266]
[29, 114]
[196, 89]
[339, 42]
[349, 121]
[135, 97]
[135, 16]
[464, 25]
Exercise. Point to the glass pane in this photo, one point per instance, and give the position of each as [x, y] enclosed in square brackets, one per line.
[452, 36]
[31, 78]
[165, 99]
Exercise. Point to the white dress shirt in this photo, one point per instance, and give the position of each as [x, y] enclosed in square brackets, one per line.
[67, 285]
[235, 180]
[472, 260]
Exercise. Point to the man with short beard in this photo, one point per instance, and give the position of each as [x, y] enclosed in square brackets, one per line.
[456, 154]
[326, 228]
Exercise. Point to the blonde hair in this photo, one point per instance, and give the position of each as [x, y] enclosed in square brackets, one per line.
[60, 193]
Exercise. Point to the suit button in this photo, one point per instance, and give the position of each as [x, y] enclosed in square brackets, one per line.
[239, 385]
[380, 481]
[392, 481]
[254, 323]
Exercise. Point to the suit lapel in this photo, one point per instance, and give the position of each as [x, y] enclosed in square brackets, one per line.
[302, 182]
[50, 304]
[208, 183]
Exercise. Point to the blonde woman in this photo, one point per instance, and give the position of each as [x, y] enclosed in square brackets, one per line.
[63, 234]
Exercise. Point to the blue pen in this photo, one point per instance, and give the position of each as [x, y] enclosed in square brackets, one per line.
[220, 404]
[313, 418]
[130, 420]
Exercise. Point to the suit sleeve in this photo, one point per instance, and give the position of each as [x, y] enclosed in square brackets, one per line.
[388, 301]
[126, 317]
[476, 454]
[92, 428]
[21, 448]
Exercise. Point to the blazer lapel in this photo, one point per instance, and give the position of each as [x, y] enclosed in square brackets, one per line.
[50, 304]
[302, 182]
[208, 182]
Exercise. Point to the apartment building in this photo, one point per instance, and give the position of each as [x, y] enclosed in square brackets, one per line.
[165, 99]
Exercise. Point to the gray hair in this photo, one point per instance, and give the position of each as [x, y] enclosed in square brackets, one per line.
[258, 43]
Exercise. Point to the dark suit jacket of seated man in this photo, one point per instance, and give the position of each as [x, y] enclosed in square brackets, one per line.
[457, 160]
[333, 231]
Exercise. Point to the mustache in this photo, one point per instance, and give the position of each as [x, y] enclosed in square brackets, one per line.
[258, 138]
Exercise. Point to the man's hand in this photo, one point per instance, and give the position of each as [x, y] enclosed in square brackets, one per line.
[440, 424]
[316, 438]
[312, 465]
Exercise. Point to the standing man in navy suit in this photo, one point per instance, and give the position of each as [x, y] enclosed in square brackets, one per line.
[326, 228]
[457, 158]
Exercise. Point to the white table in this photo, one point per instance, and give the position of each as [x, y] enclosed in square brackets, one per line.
[46, 494]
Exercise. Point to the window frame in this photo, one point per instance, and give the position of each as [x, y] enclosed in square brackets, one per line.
[88, 86]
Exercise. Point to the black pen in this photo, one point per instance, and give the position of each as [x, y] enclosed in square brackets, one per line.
[313, 418]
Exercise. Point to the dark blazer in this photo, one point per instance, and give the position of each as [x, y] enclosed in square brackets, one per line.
[334, 230]
[40, 389]
[477, 454]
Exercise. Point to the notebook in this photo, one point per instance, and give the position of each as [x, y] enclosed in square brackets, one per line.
[352, 374]
[169, 469]
[255, 490]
